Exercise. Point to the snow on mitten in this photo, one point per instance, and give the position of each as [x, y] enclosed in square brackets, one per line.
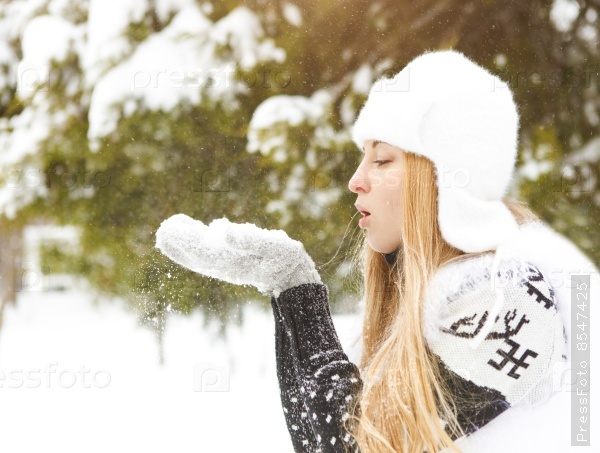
[242, 254]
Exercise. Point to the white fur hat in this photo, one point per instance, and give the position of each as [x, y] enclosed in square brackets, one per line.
[463, 118]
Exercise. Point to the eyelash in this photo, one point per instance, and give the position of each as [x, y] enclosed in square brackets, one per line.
[379, 162]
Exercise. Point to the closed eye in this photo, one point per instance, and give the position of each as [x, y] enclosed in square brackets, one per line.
[380, 162]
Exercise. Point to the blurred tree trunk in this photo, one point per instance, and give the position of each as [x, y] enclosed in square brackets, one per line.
[11, 246]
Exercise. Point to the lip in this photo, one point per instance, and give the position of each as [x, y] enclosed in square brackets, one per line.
[363, 221]
[364, 211]
[366, 214]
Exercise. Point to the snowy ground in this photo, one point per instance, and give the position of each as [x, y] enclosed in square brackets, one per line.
[76, 377]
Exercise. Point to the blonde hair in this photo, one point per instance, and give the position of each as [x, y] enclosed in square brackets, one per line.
[404, 398]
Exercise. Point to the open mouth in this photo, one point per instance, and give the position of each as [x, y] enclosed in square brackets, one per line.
[362, 222]
[363, 211]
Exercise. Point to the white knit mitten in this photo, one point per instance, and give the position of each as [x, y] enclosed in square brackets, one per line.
[243, 254]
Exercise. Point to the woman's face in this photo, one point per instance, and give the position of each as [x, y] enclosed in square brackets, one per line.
[378, 182]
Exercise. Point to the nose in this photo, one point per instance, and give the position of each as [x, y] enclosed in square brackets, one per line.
[359, 181]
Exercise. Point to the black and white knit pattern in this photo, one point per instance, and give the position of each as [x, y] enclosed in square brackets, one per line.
[527, 341]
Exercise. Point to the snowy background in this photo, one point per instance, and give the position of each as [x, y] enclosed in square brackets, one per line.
[79, 377]
[145, 98]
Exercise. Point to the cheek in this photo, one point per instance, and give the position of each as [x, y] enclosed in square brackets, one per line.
[394, 179]
[393, 197]
[393, 212]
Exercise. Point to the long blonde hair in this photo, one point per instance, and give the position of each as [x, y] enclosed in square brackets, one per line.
[404, 398]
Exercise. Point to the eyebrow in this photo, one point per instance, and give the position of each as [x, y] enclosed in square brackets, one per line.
[375, 143]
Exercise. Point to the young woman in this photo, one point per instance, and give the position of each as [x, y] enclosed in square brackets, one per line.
[467, 313]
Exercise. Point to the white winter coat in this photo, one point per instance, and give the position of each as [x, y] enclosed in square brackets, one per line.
[540, 420]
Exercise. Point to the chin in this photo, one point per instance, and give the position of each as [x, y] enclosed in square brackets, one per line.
[383, 248]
